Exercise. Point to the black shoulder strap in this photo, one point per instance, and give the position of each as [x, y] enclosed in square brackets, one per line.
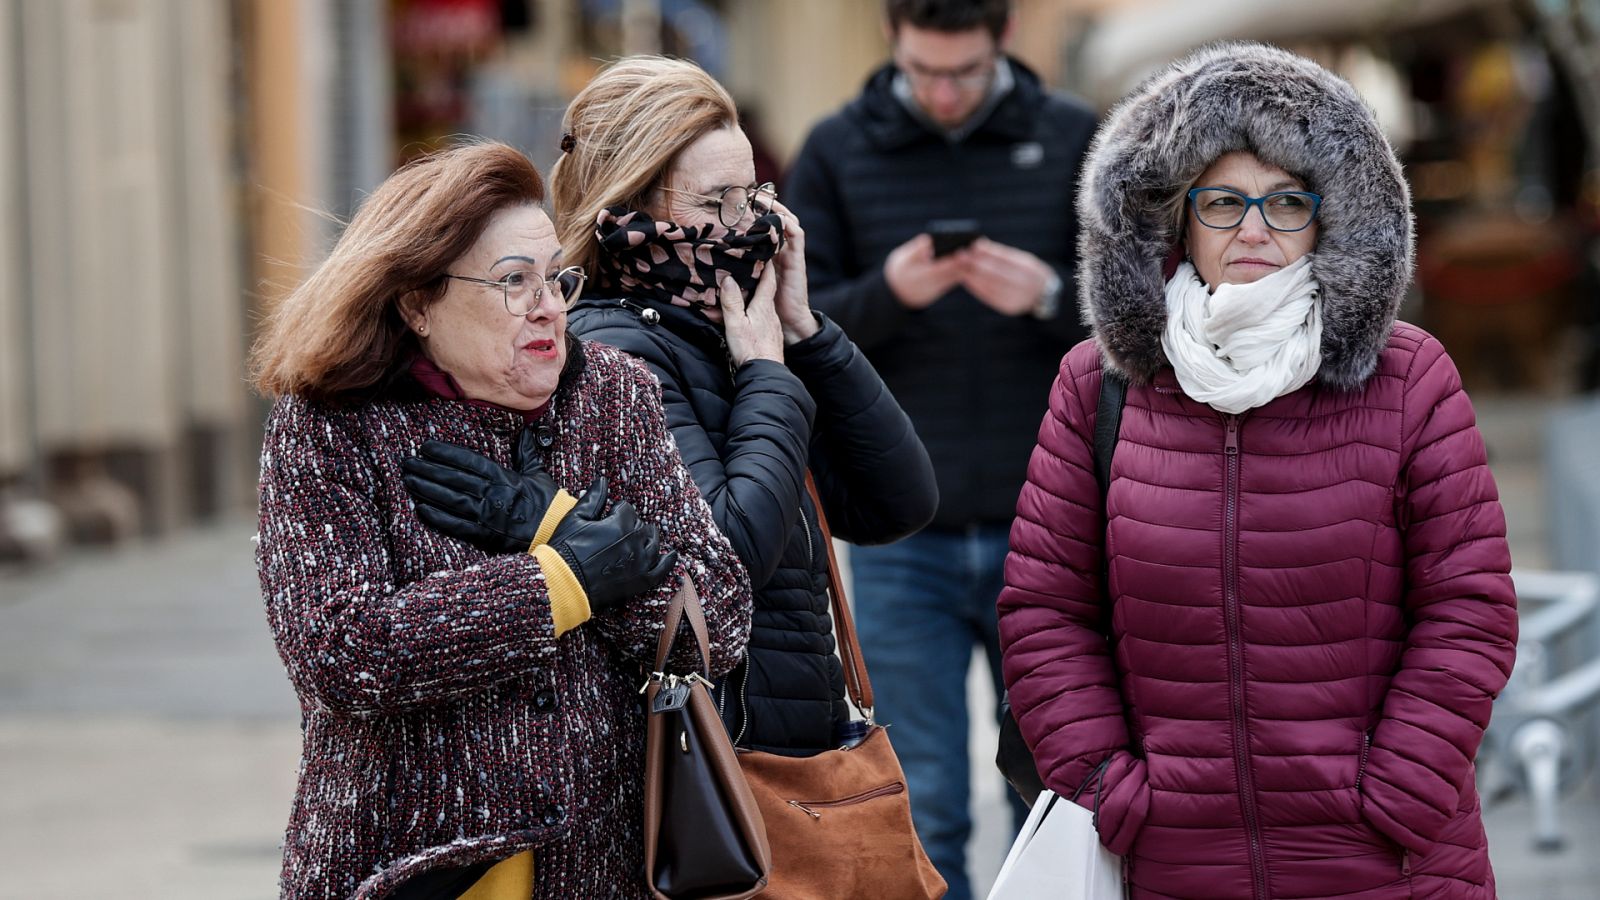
[1013, 757]
[1107, 423]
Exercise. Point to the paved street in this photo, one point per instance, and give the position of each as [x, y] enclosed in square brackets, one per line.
[148, 738]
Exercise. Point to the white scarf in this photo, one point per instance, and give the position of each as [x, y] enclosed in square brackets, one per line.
[1245, 344]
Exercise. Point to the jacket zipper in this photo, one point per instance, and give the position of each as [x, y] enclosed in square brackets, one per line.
[741, 673]
[811, 551]
[1230, 608]
[744, 705]
[1361, 769]
[810, 807]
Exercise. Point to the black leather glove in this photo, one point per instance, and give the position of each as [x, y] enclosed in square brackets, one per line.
[614, 555]
[469, 496]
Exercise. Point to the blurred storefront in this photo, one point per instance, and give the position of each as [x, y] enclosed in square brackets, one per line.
[174, 166]
[121, 251]
[1494, 106]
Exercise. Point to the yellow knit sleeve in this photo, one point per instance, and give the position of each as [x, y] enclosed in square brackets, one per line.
[569, 605]
[558, 509]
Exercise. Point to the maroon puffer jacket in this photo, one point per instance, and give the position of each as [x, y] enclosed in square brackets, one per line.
[1311, 614]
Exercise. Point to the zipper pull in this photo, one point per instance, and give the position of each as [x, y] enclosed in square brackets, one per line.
[1230, 444]
[805, 809]
[1405, 862]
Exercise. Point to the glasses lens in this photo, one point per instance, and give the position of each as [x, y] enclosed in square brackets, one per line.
[522, 292]
[1289, 211]
[765, 196]
[570, 283]
[1218, 208]
[735, 201]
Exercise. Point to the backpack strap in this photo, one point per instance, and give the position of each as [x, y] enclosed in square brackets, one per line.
[1107, 423]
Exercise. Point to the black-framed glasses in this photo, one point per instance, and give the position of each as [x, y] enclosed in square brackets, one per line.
[735, 200]
[1218, 207]
[523, 290]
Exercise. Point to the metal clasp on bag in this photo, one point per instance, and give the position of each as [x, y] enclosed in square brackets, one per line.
[673, 680]
[675, 690]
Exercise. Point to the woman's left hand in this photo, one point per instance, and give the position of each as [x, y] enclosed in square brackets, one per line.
[793, 300]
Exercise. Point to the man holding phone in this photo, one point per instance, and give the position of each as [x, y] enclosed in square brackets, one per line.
[940, 232]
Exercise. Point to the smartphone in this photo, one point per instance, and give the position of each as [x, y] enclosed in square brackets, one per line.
[950, 235]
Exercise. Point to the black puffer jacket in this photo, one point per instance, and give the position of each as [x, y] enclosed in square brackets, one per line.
[747, 437]
[868, 179]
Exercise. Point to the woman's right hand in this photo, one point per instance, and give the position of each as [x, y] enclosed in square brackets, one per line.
[753, 329]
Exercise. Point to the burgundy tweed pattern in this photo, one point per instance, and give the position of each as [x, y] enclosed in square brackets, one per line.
[1313, 664]
[444, 722]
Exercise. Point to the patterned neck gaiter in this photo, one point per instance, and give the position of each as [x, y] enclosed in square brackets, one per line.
[641, 257]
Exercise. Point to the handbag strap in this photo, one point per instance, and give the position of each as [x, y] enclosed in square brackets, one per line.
[844, 626]
[685, 603]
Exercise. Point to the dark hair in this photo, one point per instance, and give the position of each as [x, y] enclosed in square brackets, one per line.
[949, 15]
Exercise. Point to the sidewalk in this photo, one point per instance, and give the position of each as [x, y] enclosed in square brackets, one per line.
[148, 737]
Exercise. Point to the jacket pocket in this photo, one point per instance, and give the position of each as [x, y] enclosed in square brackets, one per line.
[1361, 767]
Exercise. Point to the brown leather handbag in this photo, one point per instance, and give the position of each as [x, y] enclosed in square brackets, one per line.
[703, 834]
[840, 821]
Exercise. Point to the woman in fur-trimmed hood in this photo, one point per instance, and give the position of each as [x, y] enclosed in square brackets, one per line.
[1279, 645]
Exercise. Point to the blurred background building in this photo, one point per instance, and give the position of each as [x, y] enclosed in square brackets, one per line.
[169, 168]
[173, 166]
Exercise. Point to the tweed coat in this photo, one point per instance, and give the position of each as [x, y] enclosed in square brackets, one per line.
[1286, 628]
[444, 722]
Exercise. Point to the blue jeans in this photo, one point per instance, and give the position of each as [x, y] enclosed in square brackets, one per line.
[920, 606]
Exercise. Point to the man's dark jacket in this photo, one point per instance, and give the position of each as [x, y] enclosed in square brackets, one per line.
[868, 179]
[747, 437]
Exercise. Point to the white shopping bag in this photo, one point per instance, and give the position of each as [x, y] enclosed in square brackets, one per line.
[1058, 856]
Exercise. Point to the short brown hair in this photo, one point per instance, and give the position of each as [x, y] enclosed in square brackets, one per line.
[627, 126]
[340, 333]
[949, 15]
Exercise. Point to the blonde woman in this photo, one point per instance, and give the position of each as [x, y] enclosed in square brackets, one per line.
[466, 637]
[700, 272]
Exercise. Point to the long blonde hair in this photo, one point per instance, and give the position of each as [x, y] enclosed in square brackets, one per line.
[340, 333]
[627, 126]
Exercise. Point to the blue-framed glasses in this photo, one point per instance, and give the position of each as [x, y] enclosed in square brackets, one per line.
[1218, 207]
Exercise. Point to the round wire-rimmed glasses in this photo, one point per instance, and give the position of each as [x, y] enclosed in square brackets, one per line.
[1218, 207]
[523, 290]
[735, 200]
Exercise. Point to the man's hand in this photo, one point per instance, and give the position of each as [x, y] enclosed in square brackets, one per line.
[917, 277]
[1005, 279]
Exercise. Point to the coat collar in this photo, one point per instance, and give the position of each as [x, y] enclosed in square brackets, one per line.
[420, 380]
[688, 324]
[890, 126]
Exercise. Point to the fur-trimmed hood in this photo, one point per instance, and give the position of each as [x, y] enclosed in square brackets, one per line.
[1291, 113]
